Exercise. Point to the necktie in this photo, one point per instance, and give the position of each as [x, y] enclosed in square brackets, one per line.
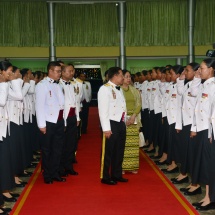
[67, 83]
[118, 87]
[56, 82]
[83, 82]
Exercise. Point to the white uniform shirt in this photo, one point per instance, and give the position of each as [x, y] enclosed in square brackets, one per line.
[173, 106]
[165, 91]
[188, 103]
[111, 105]
[4, 88]
[71, 99]
[144, 95]
[204, 102]
[49, 102]
[87, 91]
[24, 104]
[14, 103]
[158, 98]
[154, 90]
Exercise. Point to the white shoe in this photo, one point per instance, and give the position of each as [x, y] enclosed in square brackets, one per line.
[123, 172]
[134, 171]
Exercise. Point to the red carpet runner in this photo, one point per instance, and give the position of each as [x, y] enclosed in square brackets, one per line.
[147, 192]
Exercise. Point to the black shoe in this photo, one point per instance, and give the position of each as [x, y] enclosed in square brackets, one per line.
[48, 181]
[37, 153]
[151, 151]
[59, 179]
[6, 199]
[120, 179]
[3, 212]
[63, 174]
[6, 209]
[108, 181]
[20, 185]
[71, 172]
[210, 206]
[184, 180]
[195, 192]
[160, 163]
[32, 165]
[170, 171]
[196, 204]
[74, 161]
[155, 157]
[15, 195]
[144, 147]
[184, 189]
[27, 174]
[36, 160]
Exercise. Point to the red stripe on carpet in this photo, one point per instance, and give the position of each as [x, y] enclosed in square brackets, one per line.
[145, 193]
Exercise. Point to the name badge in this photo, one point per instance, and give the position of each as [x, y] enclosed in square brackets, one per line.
[189, 94]
[173, 95]
[204, 95]
[167, 91]
[153, 89]
[148, 90]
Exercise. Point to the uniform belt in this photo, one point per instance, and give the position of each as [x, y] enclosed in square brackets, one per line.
[71, 112]
[60, 116]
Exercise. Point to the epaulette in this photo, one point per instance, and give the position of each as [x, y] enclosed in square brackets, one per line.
[107, 85]
[80, 81]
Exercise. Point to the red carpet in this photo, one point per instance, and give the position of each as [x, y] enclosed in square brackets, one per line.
[147, 192]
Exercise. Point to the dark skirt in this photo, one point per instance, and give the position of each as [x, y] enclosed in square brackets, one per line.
[173, 144]
[28, 144]
[145, 123]
[157, 129]
[35, 134]
[184, 151]
[6, 169]
[201, 159]
[163, 146]
[212, 173]
[17, 151]
[151, 126]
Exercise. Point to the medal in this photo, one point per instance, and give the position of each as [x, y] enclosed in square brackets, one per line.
[114, 94]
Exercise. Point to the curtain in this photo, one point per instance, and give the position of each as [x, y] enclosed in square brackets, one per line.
[104, 68]
[86, 25]
[24, 24]
[157, 23]
[204, 31]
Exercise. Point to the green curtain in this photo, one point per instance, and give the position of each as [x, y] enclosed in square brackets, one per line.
[157, 23]
[86, 25]
[23, 24]
[204, 32]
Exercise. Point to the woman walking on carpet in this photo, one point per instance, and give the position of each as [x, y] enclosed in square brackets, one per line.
[133, 123]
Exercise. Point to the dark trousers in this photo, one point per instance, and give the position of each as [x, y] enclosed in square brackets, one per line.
[52, 149]
[113, 151]
[157, 129]
[69, 145]
[84, 117]
[151, 126]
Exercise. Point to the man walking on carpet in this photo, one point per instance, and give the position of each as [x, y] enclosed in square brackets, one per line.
[112, 114]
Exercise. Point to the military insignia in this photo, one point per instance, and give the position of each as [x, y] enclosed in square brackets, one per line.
[77, 90]
[153, 89]
[189, 94]
[173, 95]
[114, 94]
[63, 91]
[148, 90]
[167, 91]
[87, 87]
[204, 95]
[107, 85]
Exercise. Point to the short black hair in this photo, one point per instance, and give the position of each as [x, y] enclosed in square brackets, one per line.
[4, 65]
[52, 64]
[14, 69]
[210, 62]
[71, 64]
[124, 71]
[138, 74]
[24, 71]
[113, 71]
[38, 73]
[194, 66]
[178, 69]
[144, 72]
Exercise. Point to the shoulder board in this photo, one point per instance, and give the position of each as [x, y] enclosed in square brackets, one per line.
[79, 80]
[107, 85]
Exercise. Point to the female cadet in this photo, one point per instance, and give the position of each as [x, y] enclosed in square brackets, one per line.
[3, 99]
[201, 157]
[188, 106]
[6, 170]
[164, 89]
[173, 107]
